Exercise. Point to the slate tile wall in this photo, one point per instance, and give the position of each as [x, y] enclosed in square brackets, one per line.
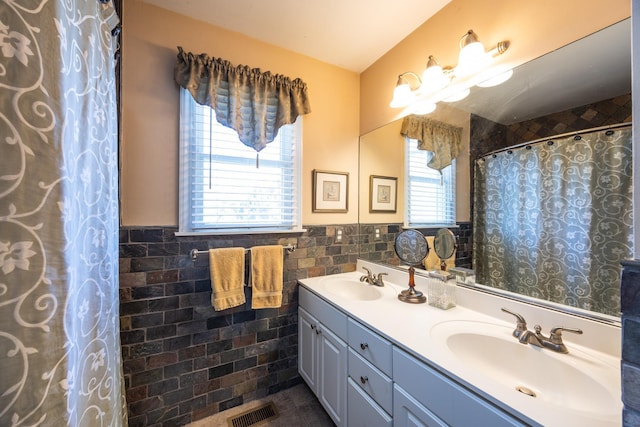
[608, 112]
[487, 136]
[630, 305]
[184, 361]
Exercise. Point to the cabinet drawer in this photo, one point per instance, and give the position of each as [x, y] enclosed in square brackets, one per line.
[371, 346]
[363, 411]
[375, 383]
[328, 315]
[444, 397]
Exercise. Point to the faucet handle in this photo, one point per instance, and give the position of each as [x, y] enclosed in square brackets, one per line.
[521, 325]
[555, 335]
[380, 281]
[368, 277]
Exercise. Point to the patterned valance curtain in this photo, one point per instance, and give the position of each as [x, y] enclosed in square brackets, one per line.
[253, 103]
[444, 140]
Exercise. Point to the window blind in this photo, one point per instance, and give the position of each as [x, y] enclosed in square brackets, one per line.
[223, 184]
[430, 195]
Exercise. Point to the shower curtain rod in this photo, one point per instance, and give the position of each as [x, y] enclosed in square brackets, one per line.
[562, 135]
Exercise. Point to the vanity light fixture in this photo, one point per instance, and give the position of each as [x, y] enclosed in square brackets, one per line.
[450, 84]
[405, 94]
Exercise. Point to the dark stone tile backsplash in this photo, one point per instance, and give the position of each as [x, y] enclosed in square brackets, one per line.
[184, 361]
[630, 304]
[487, 136]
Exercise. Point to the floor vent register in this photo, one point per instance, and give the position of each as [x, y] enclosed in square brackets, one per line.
[254, 417]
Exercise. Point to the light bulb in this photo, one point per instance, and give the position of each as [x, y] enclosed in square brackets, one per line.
[472, 55]
[433, 78]
[402, 95]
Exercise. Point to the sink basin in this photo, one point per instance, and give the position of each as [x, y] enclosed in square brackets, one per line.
[352, 289]
[580, 381]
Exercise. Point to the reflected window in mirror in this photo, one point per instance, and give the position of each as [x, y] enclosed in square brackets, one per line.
[430, 194]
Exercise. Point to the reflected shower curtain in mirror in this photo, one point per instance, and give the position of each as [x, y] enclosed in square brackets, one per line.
[60, 362]
[553, 220]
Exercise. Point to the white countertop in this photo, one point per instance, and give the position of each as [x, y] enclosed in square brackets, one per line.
[409, 326]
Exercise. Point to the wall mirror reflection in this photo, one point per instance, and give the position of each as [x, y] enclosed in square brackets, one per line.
[444, 244]
[564, 94]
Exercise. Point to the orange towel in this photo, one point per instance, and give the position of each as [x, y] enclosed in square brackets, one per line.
[266, 276]
[227, 277]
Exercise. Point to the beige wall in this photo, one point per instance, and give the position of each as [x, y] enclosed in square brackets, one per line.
[382, 153]
[149, 147]
[532, 27]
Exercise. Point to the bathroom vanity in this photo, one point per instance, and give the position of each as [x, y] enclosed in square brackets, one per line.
[373, 360]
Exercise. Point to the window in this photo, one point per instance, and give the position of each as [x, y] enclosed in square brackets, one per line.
[430, 195]
[226, 186]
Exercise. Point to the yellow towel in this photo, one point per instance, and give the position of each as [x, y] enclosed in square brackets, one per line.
[266, 276]
[432, 261]
[227, 277]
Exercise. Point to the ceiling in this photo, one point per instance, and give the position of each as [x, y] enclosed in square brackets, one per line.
[351, 34]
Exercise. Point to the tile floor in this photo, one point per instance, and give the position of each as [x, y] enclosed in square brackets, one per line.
[297, 406]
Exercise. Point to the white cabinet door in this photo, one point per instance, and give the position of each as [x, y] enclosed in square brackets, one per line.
[332, 375]
[307, 348]
[322, 363]
[408, 412]
[362, 410]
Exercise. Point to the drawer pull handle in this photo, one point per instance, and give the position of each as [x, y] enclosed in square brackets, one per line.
[318, 331]
[363, 380]
[313, 326]
[364, 346]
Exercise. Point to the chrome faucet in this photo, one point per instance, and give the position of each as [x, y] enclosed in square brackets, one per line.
[521, 332]
[554, 341]
[371, 278]
[525, 336]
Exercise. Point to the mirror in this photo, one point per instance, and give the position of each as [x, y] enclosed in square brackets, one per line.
[564, 84]
[411, 247]
[444, 243]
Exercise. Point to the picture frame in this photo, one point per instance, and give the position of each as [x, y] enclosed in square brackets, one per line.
[383, 194]
[330, 191]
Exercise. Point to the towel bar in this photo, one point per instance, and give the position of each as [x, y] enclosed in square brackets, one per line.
[194, 252]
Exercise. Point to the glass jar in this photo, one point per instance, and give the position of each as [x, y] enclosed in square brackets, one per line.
[441, 294]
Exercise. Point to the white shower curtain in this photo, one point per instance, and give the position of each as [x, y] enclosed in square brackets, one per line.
[60, 358]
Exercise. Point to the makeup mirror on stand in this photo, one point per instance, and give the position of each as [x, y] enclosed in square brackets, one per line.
[411, 247]
[444, 244]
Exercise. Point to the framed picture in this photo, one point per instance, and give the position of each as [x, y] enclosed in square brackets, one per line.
[330, 191]
[382, 193]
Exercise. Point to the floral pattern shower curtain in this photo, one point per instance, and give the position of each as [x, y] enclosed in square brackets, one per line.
[553, 220]
[60, 358]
